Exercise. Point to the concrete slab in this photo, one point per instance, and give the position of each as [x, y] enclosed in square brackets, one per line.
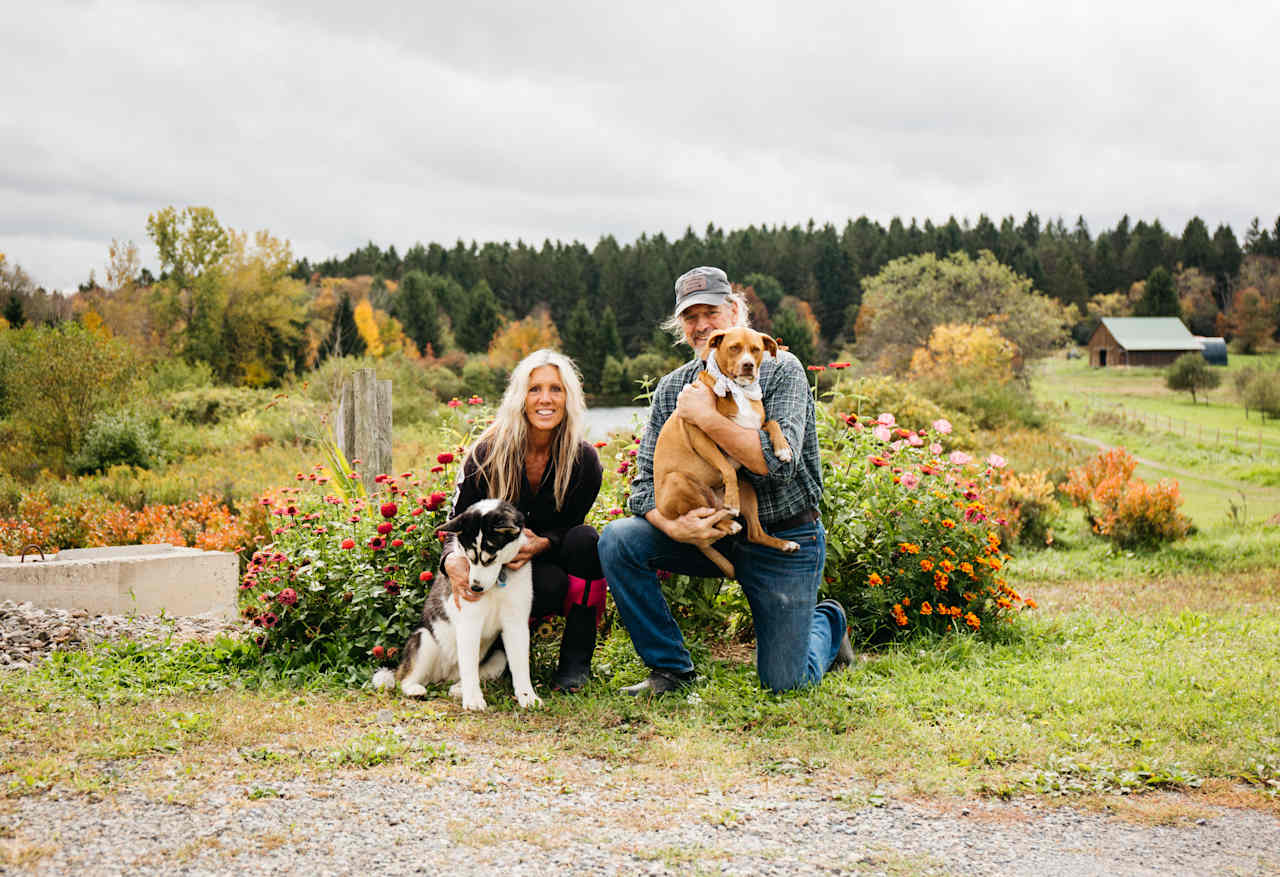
[140, 579]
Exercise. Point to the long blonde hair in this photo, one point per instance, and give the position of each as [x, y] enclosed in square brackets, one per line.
[674, 326]
[507, 437]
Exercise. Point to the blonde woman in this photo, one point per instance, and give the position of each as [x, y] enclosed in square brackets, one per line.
[533, 455]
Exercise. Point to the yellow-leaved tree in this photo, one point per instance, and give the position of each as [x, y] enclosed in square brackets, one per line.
[368, 327]
[965, 353]
[517, 340]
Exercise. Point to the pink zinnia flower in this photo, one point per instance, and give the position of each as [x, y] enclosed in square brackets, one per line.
[288, 596]
[910, 480]
[454, 403]
[915, 441]
[882, 433]
[960, 458]
[996, 460]
[886, 419]
[935, 449]
[943, 426]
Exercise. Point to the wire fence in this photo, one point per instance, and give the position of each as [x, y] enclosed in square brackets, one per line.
[1241, 438]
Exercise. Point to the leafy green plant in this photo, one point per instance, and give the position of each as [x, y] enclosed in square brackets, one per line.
[116, 438]
[912, 544]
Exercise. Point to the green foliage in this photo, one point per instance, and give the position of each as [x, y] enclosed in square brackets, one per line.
[343, 583]
[911, 544]
[1262, 393]
[796, 335]
[59, 380]
[480, 321]
[482, 379]
[868, 397]
[1192, 372]
[417, 307]
[116, 438]
[767, 288]
[207, 406]
[344, 337]
[1159, 297]
[910, 297]
[171, 375]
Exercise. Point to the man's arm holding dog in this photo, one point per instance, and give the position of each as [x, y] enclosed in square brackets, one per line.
[697, 405]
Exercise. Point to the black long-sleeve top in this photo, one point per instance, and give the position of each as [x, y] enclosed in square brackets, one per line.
[539, 506]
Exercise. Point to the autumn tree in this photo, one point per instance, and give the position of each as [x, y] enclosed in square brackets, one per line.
[344, 337]
[190, 297]
[265, 313]
[910, 297]
[1196, 300]
[517, 340]
[1249, 323]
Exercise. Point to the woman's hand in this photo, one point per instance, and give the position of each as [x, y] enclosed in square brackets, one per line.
[458, 569]
[533, 546]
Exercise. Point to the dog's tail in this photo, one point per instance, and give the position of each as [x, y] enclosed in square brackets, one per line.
[384, 678]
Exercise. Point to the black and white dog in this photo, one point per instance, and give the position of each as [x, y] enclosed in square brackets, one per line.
[452, 639]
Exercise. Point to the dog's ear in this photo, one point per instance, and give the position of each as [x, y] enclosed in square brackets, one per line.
[769, 344]
[453, 525]
[714, 339]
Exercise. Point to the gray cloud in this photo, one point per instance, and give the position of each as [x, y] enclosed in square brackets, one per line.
[336, 123]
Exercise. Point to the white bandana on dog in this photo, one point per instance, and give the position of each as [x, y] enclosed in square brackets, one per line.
[725, 384]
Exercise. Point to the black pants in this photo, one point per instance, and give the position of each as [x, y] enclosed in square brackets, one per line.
[577, 556]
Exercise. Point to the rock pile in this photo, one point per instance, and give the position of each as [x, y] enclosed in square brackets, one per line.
[29, 632]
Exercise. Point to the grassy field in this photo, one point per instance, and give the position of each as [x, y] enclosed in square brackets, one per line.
[1196, 444]
[1137, 673]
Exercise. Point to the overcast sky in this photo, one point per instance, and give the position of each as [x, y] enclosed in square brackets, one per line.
[335, 123]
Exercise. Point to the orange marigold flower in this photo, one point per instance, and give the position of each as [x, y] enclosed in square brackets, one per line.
[967, 569]
[1003, 602]
[899, 616]
[948, 523]
[926, 564]
[874, 580]
[968, 596]
[925, 608]
[940, 581]
[972, 620]
[947, 565]
[909, 547]
[1031, 604]
[947, 550]
[906, 601]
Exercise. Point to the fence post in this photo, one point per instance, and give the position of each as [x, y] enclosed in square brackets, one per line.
[364, 424]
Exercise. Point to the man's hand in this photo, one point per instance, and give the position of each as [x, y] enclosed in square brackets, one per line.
[458, 569]
[695, 527]
[696, 403]
[533, 546]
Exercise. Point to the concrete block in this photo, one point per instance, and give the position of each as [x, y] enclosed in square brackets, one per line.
[139, 579]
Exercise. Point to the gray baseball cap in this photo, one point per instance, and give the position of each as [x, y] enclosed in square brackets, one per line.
[701, 286]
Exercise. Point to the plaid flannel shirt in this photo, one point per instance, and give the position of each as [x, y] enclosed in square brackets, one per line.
[789, 488]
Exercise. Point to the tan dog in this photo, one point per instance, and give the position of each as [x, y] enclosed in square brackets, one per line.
[690, 470]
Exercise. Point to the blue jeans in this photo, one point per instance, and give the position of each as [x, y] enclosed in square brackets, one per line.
[795, 640]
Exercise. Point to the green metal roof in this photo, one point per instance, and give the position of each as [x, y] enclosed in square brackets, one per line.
[1150, 333]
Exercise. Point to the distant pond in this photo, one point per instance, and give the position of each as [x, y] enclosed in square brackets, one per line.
[602, 421]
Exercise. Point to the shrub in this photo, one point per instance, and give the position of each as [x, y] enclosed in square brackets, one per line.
[206, 406]
[912, 545]
[1124, 508]
[1262, 393]
[1191, 372]
[118, 438]
[345, 575]
[172, 375]
[869, 396]
[1025, 502]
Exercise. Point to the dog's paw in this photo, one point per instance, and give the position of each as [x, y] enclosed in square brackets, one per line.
[413, 689]
[474, 702]
[735, 527]
[528, 699]
[783, 454]
[790, 547]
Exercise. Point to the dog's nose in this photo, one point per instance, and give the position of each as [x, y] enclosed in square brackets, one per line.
[477, 588]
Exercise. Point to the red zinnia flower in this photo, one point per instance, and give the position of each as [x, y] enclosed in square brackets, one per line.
[396, 543]
[435, 500]
[288, 596]
[379, 651]
[348, 544]
[389, 510]
[475, 400]
[879, 461]
[444, 457]
[435, 469]
[816, 368]
[385, 527]
[454, 403]
[377, 543]
[600, 444]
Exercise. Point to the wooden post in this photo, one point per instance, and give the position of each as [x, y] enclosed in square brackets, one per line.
[364, 424]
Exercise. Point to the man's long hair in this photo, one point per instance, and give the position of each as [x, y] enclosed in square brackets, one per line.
[506, 439]
[675, 327]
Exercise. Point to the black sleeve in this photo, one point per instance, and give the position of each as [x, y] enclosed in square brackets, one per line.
[584, 487]
[468, 490]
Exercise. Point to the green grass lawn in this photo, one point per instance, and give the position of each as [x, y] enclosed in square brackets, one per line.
[1136, 673]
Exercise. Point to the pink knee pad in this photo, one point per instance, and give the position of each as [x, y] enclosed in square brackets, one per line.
[586, 593]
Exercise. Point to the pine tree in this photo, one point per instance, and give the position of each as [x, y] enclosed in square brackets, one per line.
[1159, 298]
[13, 312]
[344, 336]
[418, 311]
[480, 321]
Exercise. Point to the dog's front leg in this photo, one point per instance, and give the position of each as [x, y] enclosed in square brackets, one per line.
[515, 639]
[468, 632]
